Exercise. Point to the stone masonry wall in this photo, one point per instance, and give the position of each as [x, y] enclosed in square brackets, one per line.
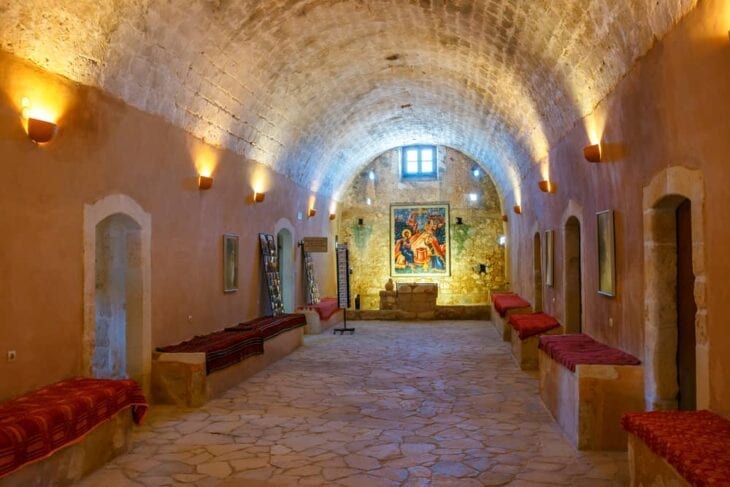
[473, 243]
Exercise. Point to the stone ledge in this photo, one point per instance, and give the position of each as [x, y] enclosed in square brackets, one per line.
[449, 312]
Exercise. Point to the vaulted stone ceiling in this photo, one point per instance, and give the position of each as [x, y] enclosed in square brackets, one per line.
[317, 88]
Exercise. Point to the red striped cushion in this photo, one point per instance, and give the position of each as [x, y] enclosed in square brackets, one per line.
[571, 350]
[504, 302]
[528, 325]
[222, 348]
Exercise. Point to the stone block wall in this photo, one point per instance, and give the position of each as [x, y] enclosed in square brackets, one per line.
[472, 243]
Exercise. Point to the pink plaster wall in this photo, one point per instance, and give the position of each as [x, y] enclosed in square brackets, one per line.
[671, 109]
[107, 147]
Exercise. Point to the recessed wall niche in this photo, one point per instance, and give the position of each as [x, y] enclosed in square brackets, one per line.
[473, 242]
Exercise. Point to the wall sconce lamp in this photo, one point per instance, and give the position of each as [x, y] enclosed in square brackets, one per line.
[41, 131]
[547, 186]
[360, 222]
[311, 212]
[480, 268]
[502, 240]
[505, 218]
[333, 216]
[459, 220]
[259, 197]
[517, 209]
[592, 153]
[205, 182]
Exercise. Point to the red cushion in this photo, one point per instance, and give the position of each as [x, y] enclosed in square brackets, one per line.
[41, 422]
[503, 302]
[695, 443]
[270, 326]
[571, 350]
[326, 308]
[222, 348]
[528, 325]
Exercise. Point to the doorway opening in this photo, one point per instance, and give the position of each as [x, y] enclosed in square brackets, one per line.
[285, 243]
[537, 272]
[572, 277]
[118, 299]
[686, 309]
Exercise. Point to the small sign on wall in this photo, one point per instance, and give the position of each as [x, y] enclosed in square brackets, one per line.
[315, 244]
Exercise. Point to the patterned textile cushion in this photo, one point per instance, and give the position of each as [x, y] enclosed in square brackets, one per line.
[35, 425]
[503, 302]
[571, 350]
[222, 348]
[532, 324]
[325, 308]
[695, 443]
[270, 326]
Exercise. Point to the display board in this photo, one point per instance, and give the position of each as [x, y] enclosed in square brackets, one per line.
[315, 244]
[311, 288]
[343, 285]
[270, 261]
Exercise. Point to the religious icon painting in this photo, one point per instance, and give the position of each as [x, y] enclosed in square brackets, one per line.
[419, 240]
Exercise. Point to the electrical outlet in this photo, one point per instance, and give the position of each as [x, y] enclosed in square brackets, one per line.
[11, 355]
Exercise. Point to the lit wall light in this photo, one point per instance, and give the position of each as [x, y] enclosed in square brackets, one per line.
[333, 216]
[592, 153]
[311, 212]
[205, 182]
[473, 197]
[502, 240]
[371, 175]
[547, 186]
[39, 126]
[258, 197]
[517, 209]
[476, 172]
[368, 201]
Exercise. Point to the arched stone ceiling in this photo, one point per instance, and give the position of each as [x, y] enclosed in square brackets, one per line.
[316, 88]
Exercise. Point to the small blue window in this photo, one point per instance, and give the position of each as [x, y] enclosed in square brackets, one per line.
[418, 162]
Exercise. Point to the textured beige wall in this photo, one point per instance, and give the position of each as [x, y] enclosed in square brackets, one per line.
[470, 244]
[106, 147]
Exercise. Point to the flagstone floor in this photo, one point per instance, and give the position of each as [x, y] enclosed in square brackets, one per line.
[401, 404]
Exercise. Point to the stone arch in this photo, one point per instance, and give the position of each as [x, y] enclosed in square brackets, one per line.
[661, 197]
[113, 222]
[573, 265]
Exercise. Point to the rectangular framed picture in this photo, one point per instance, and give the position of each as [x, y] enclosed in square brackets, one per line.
[230, 263]
[549, 257]
[419, 240]
[606, 254]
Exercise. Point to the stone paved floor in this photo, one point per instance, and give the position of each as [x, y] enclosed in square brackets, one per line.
[435, 403]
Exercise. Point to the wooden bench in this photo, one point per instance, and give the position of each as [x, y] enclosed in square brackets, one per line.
[526, 331]
[322, 316]
[61, 432]
[192, 372]
[679, 448]
[506, 304]
[588, 386]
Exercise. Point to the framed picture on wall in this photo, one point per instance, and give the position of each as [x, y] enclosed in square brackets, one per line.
[606, 254]
[419, 237]
[549, 256]
[230, 263]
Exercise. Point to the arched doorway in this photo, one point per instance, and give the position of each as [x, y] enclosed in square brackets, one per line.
[572, 277]
[285, 244]
[537, 272]
[117, 290]
[118, 300]
[675, 328]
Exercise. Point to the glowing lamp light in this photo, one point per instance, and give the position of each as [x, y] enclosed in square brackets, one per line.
[502, 240]
[311, 212]
[473, 197]
[592, 153]
[517, 209]
[39, 123]
[368, 201]
[333, 216]
[258, 197]
[547, 186]
[205, 182]
[371, 176]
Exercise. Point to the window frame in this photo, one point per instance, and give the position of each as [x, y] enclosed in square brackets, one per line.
[420, 174]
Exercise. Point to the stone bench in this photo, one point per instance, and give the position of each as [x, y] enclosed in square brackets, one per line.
[587, 387]
[63, 431]
[322, 316]
[679, 448]
[525, 335]
[505, 305]
[192, 372]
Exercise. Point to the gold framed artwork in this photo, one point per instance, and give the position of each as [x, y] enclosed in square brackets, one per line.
[419, 236]
[549, 257]
[230, 263]
[606, 253]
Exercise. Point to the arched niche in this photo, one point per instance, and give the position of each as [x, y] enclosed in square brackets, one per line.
[573, 296]
[117, 290]
[661, 199]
